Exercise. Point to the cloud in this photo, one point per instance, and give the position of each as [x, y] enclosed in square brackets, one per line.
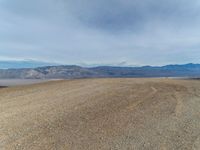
[100, 31]
[132, 14]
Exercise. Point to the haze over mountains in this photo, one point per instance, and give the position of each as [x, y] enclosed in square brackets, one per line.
[10, 64]
[48, 71]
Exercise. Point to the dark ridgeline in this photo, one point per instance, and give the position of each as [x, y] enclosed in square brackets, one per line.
[72, 72]
[2, 87]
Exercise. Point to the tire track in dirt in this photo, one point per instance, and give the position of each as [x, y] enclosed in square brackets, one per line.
[154, 90]
[135, 104]
[179, 106]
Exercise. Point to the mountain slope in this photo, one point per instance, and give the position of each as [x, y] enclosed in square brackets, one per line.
[70, 72]
[23, 64]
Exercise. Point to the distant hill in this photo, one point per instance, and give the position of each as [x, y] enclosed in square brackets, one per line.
[7, 64]
[71, 72]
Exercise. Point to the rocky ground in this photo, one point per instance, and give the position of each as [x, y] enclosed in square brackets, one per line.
[101, 114]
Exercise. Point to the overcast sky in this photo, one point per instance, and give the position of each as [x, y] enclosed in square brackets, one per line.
[128, 32]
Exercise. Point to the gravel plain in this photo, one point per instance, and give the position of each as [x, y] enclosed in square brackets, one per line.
[101, 114]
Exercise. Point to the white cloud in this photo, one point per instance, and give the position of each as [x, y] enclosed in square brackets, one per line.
[99, 31]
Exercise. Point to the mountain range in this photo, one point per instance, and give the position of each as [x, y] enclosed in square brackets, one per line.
[9, 64]
[73, 71]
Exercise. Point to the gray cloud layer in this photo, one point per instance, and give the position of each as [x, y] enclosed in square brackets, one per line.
[139, 32]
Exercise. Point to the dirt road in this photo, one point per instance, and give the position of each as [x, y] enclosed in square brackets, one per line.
[101, 114]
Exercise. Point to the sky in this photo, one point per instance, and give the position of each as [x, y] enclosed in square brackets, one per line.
[88, 32]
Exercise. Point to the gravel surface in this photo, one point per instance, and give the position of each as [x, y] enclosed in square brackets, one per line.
[101, 114]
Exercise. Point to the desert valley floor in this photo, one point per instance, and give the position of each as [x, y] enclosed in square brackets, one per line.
[101, 114]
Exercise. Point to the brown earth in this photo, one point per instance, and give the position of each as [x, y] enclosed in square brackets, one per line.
[101, 114]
